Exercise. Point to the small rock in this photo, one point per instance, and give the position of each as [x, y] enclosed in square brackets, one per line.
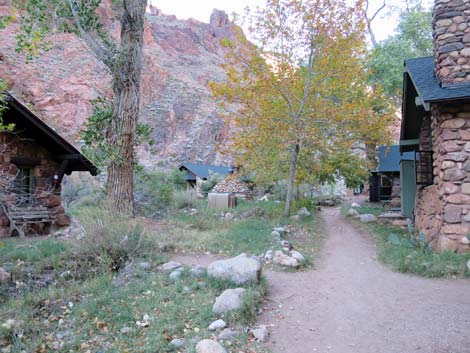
[209, 346]
[201, 285]
[229, 216]
[177, 343]
[352, 213]
[367, 218]
[227, 334]
[125, 329]
[296, 255]
[286, 244]
[355, 205]
[176, 275]
[269, 255]
[260, 333]
[187, 289]
[303, 213]
[170, 266]
[280, 230]
[4, 275]
[230, 299]
[197, 271]
[146, 317]
[468, 264]
[145, 265]
[240, 269]
[285, 260]
[276, 235]
[217, 325]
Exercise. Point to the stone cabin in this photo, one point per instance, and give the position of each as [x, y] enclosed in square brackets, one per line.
[33, 161]
[436, 127]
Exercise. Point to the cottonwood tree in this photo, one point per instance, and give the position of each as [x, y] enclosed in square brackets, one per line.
[301, 98]
[121, 55]
[413, 39]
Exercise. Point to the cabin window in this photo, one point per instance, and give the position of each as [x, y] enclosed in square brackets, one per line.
[24, 185]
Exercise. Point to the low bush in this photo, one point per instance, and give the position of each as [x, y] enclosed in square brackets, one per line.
[185, 198]
[112, 240]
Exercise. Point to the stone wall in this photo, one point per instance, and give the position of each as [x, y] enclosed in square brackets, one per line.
[395, 197]
[449, 209]
[14, 146]
[452, 41]
[233, 185]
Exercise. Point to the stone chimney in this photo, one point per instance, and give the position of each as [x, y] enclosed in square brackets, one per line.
[451, 35]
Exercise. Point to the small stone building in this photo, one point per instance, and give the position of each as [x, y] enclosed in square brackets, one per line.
[235, 184]
[196, 174]
[436, 126]
[385, 180]
[33, 161]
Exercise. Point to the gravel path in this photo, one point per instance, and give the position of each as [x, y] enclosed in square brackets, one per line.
[353, 304]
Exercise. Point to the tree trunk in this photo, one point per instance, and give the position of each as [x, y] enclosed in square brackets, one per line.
[127, 70]
[290, 184]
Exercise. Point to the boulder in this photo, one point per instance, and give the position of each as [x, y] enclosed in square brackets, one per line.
[296, 255]
[227, 334]
[230, 299]
[285, 260]
[367, 218]
[240, 269]
[303, 213]
[4, 275]
[170, 266]
[217, 325]
[352, 213]
[209, 346]
[260, 333]
[355, 205]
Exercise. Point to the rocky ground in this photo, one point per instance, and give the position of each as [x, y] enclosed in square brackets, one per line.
[353, 304]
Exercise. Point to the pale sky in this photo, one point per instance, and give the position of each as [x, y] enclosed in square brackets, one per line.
[202, 9]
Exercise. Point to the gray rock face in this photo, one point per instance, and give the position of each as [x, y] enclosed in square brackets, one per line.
[217, 325]
[227, 334]
[367, 218]
[260, 333]
[209, 346]
[230, 299]
[170, 266]
[240, 269]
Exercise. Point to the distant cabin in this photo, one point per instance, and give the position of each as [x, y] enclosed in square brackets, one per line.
[385, 183]
[33, 160]
[197, 173]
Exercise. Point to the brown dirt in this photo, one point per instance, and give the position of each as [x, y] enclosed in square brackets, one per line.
[353, 304]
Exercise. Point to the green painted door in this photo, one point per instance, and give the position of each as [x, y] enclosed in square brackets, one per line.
[408, 187]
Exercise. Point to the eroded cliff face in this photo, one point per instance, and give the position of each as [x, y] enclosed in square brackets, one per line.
[181, 58]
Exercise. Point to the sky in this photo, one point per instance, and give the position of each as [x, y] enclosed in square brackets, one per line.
[201, 10]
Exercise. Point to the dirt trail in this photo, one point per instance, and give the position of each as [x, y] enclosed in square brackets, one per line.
[353, 304]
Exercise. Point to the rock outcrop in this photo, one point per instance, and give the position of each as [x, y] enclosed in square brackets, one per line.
[180, 58]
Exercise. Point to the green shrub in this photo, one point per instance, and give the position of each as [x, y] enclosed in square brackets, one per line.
[208, 185]
[112, 240]
[154, 190]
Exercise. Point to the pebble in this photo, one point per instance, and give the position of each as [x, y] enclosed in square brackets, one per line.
[177, 343]
[227, 334]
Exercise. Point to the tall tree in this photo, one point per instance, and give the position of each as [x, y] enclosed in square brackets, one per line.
[123, 58]
[302, 97]
[413, 39]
